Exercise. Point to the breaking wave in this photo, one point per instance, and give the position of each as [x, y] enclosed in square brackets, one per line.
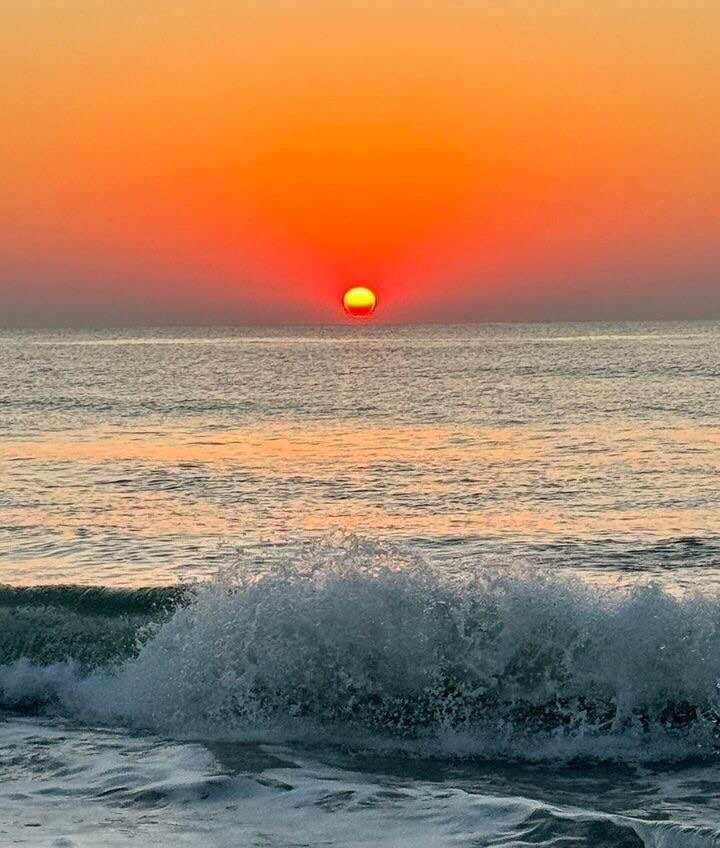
[365, 644]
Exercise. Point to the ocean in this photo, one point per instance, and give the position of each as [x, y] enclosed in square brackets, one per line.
[361, 586]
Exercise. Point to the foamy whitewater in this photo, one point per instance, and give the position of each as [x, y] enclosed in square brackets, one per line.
[480, 608]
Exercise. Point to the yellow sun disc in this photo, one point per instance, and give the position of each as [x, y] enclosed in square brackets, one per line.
[360, 301]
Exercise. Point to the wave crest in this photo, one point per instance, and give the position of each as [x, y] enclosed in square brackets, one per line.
[357, 638]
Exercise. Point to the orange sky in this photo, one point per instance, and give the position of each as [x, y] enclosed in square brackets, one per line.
[203, 161]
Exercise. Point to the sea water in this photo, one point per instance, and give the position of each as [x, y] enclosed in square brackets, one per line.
[359, 586]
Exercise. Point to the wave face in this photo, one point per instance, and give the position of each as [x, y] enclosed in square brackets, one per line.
[93, 626]
[363, 642]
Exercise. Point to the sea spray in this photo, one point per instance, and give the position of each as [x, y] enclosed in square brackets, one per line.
[357, 640]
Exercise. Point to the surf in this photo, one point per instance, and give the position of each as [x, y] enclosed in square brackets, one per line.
[366, 644]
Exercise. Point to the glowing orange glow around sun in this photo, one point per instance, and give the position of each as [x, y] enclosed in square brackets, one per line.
[360, 301]
[475, 160]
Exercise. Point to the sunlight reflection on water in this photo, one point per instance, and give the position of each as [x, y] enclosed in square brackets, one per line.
[145, 458]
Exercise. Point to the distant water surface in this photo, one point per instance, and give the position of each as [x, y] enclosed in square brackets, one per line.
[139, 457]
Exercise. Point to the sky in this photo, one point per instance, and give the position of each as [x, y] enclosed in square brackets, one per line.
[246, 161]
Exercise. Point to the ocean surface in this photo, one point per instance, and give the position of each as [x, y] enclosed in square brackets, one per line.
[361, 586]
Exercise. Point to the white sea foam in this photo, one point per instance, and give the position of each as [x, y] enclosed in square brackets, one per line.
[365, 644]
[68, 784]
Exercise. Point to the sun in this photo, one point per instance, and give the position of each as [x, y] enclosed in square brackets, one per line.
[359, 301]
